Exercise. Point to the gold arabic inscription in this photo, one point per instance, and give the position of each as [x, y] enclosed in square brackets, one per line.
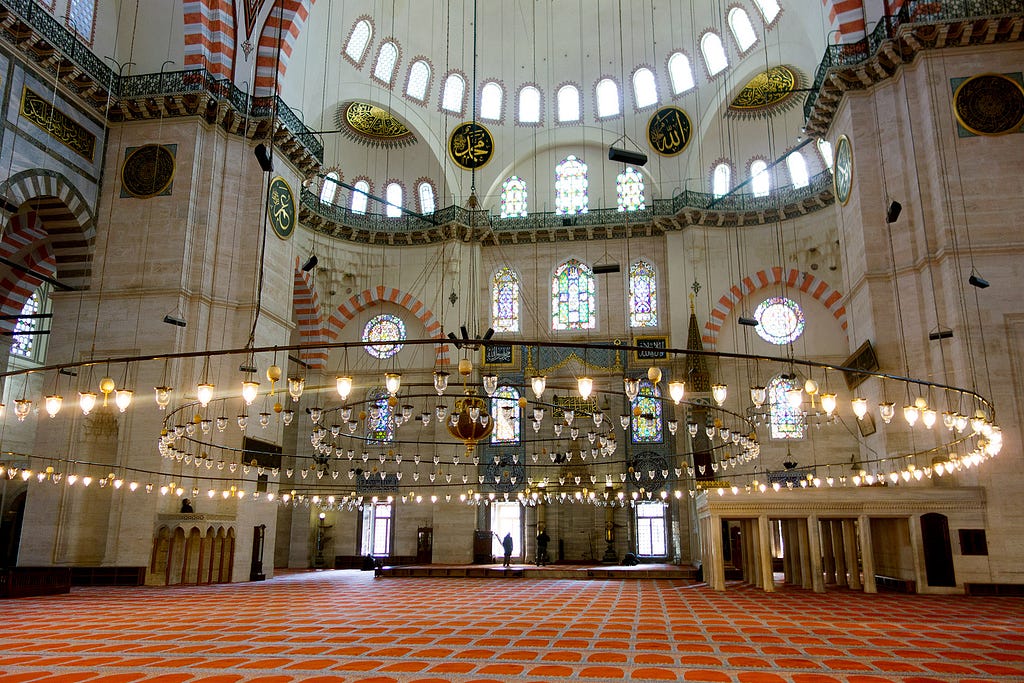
[57, 124]
[669, 131]
[766, 89]
[470, 145]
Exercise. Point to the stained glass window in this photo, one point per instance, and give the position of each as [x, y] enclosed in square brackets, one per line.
[380, 427]
[505, 412]
[742, 29]
[571, 186]
[568, 103]
[419, 80]
[358, 40]
[491, 96]
[630, 186]
[383, 328]
[721, 179]
[393, 195]
[81, 16]
[359, 196]
[680, 73]
[645, 88]
[505, 301]
[647, 414]
[387, 60]
[573, 305]
[779, 320]
[769, 9]
[760, 181]
[643, 295]
[797, 166]
[513, 198]
[24, 345]
[426, 192]
[329, 190]
[452, 95]
[529, 105]
[714, 53]
[607, 98]
[787, 422]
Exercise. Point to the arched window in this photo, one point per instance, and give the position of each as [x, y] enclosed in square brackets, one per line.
[721, 180]
[329, 190]
[26, 342]
[645, 88]
[825, 150]
[513, 198]
[419, 80]
[491, 96]
[787, 422]
[714, 53]
[380, 427]
[387, 60]
[643, 295]
[505, 300]
[568, 103]
[82, 18]
[426, 195]
[393, 196]
[769, 9]
[573, 304]
[646, 411]
[630, 189]
[359, 196]
[742, 29]
[607, 98]
[505, 412]
[383, 328]
[529, 104]
[358, 40]
[680, 73]
[452, 95]
[798, 170]
[760, 181]
[571, 186]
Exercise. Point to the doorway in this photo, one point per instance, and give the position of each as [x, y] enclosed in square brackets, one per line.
[506, 519]
[424, 545]
[938, 553]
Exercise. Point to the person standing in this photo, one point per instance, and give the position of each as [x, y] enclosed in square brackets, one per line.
[542, 547]
[506, 543]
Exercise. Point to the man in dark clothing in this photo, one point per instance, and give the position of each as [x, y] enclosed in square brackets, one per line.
[542, 547]
[506, 543]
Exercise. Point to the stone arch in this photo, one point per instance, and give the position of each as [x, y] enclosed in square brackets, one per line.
[309, 318]
[210, 36]
[791, 277]
[348, 310]
[24, 243]
[286, 19]
[69, 223]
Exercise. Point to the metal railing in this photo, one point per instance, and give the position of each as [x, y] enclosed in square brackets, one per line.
[912, 12]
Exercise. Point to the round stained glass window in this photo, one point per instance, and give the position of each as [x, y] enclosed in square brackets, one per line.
[383, 328]
[779, 320]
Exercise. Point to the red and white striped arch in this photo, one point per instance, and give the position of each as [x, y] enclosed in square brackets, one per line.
[792, 278]
[848, 17]
[25, 243]
[368, 297]
[286, 20]
[310, 318]
[210, 35]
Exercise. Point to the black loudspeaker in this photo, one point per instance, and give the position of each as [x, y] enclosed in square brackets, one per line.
[605, 268]
[310, 264]
[627, 156]
[978, 281]
[747, 322]
[893, 214]
[264, 157]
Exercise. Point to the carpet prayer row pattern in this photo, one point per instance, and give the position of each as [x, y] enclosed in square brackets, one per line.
[345, 626]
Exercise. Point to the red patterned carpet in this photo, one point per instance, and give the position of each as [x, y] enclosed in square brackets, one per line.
[347, 626]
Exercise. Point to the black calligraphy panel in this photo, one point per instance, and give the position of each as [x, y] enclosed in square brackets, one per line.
[470, 145]
[669, 131]
[281, 208]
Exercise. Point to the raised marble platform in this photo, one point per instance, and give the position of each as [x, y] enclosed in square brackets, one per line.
[576, 572]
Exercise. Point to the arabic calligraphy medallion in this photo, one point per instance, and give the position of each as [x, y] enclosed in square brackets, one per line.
[669, 131]
[843, 170]
[990, 104]
[281, 208]
[470, 145]
[148, 171]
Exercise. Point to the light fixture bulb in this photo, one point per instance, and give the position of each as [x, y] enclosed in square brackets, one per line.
[795, 397]
[343, 383]
[250, 390]
[719, 392]
[860, 407]
[123, 399]
[758, 395]
[585, 385]
[828, 403]
[52, 403]
[86, 401]
[107, 387]
[887, 409]
[441, 381]
[811, 387]
[162, 395]
[631, 386]
[928, 417]
[677, 390]
[910, 414]
[204, 393]
[392, 382]
[295, 387]
[490, 382]
[538, 383]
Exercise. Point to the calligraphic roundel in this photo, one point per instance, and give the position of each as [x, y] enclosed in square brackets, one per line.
[669, 131]
[281, 208]
[470, 145]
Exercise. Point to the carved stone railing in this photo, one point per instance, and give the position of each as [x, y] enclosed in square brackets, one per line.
[896, 39]
[686, 208]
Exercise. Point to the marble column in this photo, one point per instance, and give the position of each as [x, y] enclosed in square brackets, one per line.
[805, 552]
[747, 537]
[826, 551]
[788, 551]
[839, 551]
[715, 573]
[867, 554]
[917, 552]
[850, 547]
[814, 554]
[764, 553]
